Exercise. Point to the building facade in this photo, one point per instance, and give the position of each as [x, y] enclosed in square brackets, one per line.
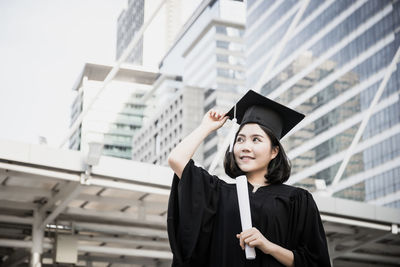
[330, 69]
[129, 23]
[215, 58]
[175, 117]
[117, 113]
[209, 53]
[160, 33]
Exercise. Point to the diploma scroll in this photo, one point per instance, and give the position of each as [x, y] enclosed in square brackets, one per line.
[244, 209]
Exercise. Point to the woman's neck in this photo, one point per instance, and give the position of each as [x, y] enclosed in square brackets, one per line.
[256, 178]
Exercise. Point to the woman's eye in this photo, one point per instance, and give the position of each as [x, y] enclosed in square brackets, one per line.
[239, 139]
[256, 138]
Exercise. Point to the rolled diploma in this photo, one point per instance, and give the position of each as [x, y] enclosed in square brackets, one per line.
[244, 209]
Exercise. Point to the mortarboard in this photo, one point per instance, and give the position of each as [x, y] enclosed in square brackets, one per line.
[253, 107]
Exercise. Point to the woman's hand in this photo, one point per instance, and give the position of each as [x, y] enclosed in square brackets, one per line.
[213, 120]
[254, 238]
[184, 151]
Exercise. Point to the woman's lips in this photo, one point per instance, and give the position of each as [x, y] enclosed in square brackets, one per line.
[246, 158]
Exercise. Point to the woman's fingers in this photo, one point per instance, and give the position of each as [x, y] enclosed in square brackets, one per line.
[214, 119]
[241, 242]
[216, 114]
[249, 232]
[250, 237]
[251, 240]
[254, 238]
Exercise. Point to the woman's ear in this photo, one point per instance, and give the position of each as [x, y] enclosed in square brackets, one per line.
[274, 152]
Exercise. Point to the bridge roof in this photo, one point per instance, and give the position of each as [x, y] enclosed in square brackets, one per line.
[118, 211]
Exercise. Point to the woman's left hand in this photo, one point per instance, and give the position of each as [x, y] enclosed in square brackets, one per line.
[254, 238]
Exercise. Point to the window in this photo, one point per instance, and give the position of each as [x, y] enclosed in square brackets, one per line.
[156, 144]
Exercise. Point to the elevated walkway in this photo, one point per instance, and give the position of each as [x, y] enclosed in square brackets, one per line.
[115, 212]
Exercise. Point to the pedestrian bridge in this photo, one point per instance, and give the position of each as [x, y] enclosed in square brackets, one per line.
[54, 207]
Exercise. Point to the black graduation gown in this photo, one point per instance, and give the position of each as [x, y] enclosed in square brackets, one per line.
[203, 220]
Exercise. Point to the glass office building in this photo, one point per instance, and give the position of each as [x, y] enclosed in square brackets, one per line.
[330, 69]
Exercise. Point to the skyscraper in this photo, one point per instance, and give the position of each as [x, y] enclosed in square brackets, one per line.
[160, 33]
[209, 53]
[330, 68]
[128, 25]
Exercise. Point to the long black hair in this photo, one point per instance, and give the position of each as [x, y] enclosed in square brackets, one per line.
[278, 170]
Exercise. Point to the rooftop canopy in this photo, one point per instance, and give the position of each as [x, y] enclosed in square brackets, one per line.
[115, 212]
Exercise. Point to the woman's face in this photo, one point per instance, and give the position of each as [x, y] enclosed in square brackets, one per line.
[252, 149]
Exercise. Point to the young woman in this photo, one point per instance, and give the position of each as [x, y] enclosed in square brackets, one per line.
[203, 215]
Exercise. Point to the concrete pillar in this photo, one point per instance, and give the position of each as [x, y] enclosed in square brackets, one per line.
[37, 240]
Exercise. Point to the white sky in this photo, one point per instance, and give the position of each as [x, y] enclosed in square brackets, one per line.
[43, 47]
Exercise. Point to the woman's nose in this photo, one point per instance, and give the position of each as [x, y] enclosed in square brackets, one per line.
[245, 146]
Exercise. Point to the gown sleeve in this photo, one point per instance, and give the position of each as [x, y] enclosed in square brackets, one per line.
[191, 209]
[311, 249]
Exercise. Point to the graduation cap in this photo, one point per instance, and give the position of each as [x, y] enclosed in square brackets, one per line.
[256, 108]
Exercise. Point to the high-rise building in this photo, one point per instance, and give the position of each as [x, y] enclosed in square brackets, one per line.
[174, 119]
[215, 59]
[160, 33]
[117, 113]
[128, 25]
[330, 68]
[209, 53]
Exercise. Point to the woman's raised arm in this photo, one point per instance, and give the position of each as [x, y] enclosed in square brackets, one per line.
[183, 152]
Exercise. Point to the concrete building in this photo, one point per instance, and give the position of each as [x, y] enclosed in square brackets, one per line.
[330, 69]
[175, 118]
[118, 111]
